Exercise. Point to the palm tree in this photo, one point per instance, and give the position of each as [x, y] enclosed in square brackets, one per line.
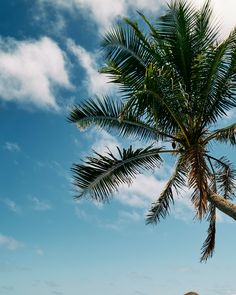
[176, 81]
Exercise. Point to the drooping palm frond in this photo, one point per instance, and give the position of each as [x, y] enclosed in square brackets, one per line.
[225, 135]
[160, 208]
[226, 177]
[198, 177]
[98, 177]
[108, 115]
[209, 243]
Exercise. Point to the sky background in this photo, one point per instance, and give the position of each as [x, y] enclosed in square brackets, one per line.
[50, 244]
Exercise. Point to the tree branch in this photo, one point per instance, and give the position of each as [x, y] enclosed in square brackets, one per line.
[222, 204]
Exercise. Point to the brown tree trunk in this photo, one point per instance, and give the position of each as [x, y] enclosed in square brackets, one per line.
[223, 205]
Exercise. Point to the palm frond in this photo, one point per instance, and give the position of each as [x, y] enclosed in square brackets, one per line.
[226, 177]
[110, 115]
[160, 208]
[225, 135]
[198, 177]
[204, 31]
[209, 243]
[98, 177]
[127, 55]
[220, 84]
[163, 98]
[175, 28]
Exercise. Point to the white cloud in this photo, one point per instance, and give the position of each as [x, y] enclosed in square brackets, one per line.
[223, 12]
[40, 205]
[39, 252]
[11, 146]
[9, 243]
[80, 213]
[105, 142]
[142, 192]
[133, 216]
[96, 83]
[11, 205]
[30, 70]
[104, 12]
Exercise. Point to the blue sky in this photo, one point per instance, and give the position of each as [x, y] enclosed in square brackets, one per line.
[50, 244]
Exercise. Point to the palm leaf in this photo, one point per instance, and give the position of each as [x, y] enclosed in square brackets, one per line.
[175, 28]
[160, 208]
[127, 56]
[225, 135]
[209, 243]
[98, 177]
[198, 177]
[204, 32]
[226, 177]
[220, 85]
[109, 115]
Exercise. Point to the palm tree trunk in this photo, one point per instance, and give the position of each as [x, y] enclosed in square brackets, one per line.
[223, 205]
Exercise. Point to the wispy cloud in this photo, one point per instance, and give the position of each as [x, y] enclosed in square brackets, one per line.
[39, 251]
[10, 243]
[30, 70]
[40, 205]
[104, 12]
[11, 205]
[224, 14]
[51, 284]
[95, 83]
[127, 215]
[80, 213]
[11, 146]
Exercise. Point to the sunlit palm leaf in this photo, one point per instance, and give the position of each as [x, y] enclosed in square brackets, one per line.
[205, 32]
[98, 177]
[160, 208]
[220, 86]
[108, 115]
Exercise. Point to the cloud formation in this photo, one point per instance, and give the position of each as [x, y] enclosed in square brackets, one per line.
[11, 146]
[224, 13]
[9, 243]
[30, 70]
[104, 12]
[95, 83]
[39, 205]
[11, 205]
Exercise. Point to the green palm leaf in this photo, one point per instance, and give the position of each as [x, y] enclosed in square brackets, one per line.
[100, 176]
[108, 115]
[160, 208]
[226, 177]
[226, 135]
[219, 89]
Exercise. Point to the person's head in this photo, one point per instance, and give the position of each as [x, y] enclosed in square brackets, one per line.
[191, 293]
